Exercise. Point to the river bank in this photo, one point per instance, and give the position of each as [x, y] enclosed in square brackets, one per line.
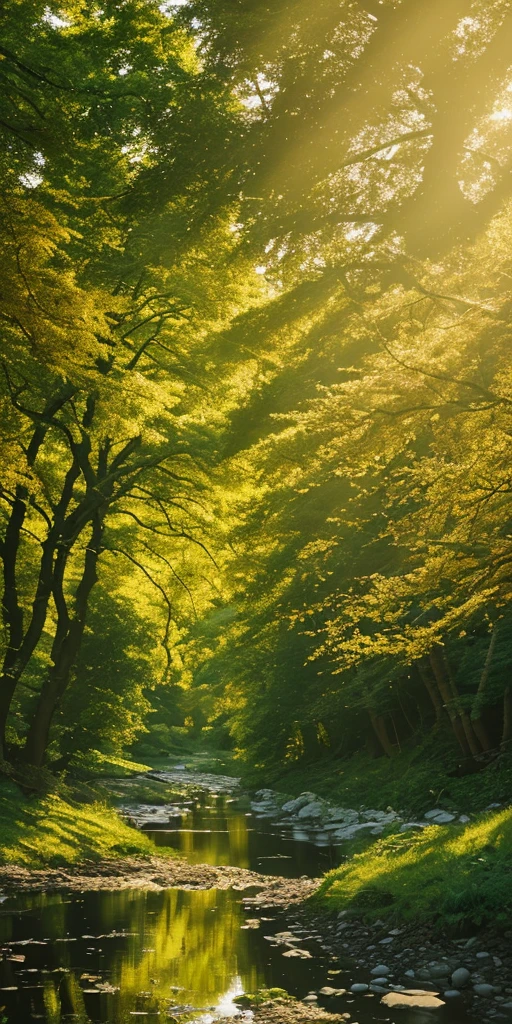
[379, 913]
[155, 873]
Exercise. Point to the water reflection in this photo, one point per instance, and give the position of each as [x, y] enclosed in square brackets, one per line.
[110, 956]
[225, 832]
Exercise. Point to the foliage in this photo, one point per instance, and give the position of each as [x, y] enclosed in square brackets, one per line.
[256, 387]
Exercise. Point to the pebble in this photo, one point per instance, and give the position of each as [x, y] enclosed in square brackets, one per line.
[483, 989]
[460, 977]
[451, 993]
[359, 987]
[380, 971]
[438, 970]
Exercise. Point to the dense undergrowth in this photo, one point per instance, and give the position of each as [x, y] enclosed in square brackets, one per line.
[449, 876]
[54, 828]
[421, 776]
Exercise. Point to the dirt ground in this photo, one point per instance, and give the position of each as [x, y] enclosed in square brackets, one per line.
[155, 873]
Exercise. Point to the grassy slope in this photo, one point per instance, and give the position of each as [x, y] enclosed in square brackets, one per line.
[49, 830]
[450, 875]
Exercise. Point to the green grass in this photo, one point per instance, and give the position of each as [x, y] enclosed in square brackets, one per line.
[50, 829]
[449, 876]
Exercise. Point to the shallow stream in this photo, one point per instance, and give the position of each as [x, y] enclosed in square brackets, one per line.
[115, 957]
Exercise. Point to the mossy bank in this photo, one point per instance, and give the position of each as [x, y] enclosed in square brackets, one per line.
[53, 828]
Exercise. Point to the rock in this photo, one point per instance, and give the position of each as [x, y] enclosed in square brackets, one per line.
[439, 970]
[312, 810]
[380, 981]
[359, 987]
[386, 941]
[408, 825]
[381, 817]
[430, 815]
[483, 989]
[379, 989]
[347, 816]
[292, 806]
[265, 810]
[482, 956]
[353, 830]
[380, 971]
[507, 1006]
[451, 993]
[460, 977]
[412, 998]
[327, 991]
[311, 998]
[443, 818]
[464, 819]
[409, 974]
[265, 794]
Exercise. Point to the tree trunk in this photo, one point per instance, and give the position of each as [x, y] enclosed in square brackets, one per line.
[66, 645]
[479, 701]
[381, 732]
[459, 718]
[432, 689]
[17, 653]
[506, 735]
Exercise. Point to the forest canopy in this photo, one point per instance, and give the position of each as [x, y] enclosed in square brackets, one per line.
[256, 386]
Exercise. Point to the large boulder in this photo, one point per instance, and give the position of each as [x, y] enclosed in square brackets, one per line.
[343, 814]
[385, 817]
[313, 810]
[293, 806]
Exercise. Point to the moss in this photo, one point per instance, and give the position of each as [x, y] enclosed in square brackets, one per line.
[50, 829]
[450, 876]
[262, 996]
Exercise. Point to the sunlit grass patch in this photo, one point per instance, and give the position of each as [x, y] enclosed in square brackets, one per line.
[449, 875]
[48, 830]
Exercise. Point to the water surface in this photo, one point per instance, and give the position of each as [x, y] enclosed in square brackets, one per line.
[116, 957]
